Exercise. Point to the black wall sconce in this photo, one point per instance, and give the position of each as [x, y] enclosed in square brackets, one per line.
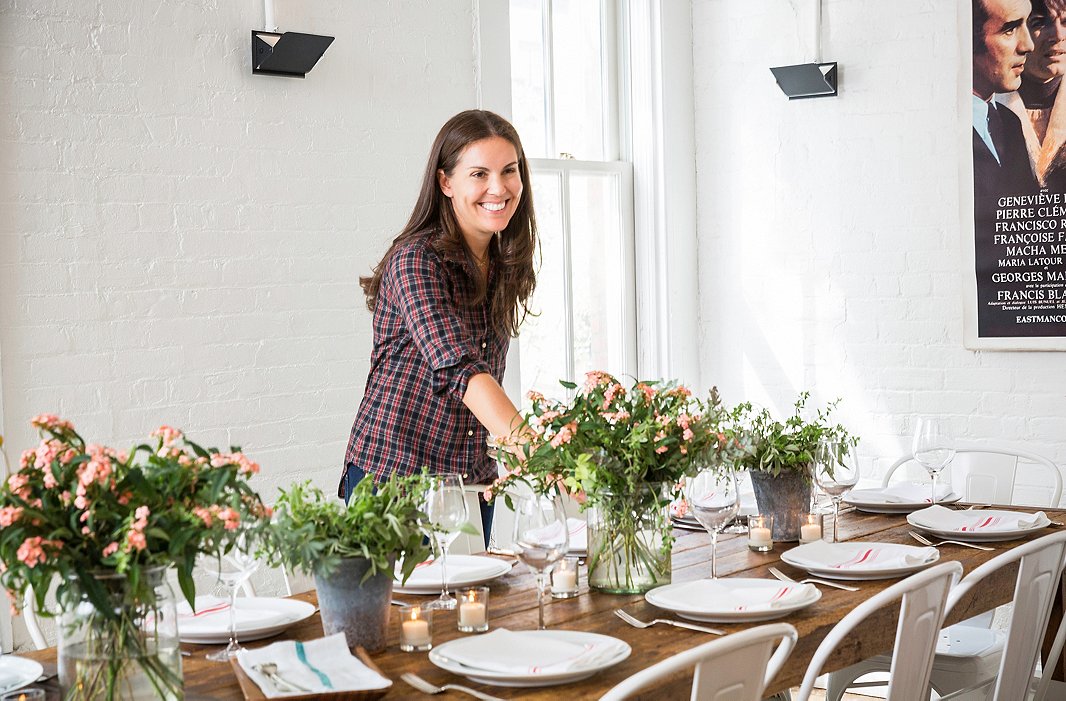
[815, 79]
[290, 54]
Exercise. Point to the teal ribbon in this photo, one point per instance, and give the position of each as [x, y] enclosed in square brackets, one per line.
[318, 672]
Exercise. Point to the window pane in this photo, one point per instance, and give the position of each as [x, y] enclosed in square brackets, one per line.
[598, 278]
[543, 338]
[578, 72]
[528, 102]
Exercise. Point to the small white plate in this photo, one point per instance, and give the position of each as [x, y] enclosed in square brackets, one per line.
[214, 628]
[17, 672]
[853, 547]
[487, 569]
[984, 536]
[722, 611]
[882, 507]
[439, 656]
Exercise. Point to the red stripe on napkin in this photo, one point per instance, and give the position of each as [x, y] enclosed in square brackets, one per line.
[204, 612]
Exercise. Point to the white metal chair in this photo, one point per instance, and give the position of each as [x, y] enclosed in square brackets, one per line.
[33, 626]
[1040, 565]
[984, 473]
[737, 667]
[923, 597]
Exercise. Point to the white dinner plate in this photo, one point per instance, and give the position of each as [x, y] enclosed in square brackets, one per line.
[722, 610]
[17, 672]
[463, 571]
[882, 507]
[211, 625]
[439, 656]
[854, 547]
[984, 536]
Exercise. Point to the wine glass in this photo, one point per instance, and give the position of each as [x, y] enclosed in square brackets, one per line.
[541, 539]
[836, 471]
[445, 507]
[932, 447]
[714, 500]
[233, 569]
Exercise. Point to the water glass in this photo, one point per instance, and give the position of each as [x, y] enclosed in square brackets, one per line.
[445, 507]
[541, 539]
[714, 500]
[933, 448]
[836, 471]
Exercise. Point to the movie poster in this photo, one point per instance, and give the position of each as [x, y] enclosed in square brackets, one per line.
[1019, 175]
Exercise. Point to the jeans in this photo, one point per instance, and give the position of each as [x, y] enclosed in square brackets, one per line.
[354, 475]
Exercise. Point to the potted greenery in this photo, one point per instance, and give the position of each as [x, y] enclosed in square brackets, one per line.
[352, 551]
[622, 451]
[779, 457]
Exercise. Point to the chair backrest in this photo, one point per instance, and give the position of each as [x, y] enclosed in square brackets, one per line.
[734, 668]
[987, 473]
[923, 598]
[1040, 565]
[33, 625]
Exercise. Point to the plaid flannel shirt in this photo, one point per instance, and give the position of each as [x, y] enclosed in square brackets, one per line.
[427, 346]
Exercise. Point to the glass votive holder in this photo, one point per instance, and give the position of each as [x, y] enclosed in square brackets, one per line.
[416, 628]
[474, 610]
[32, 694]
[564, 578]
[760, 533]
[810, 528]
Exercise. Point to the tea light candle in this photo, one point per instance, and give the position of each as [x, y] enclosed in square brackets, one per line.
[564, 578]
[760, 533]
[24, 695]
[474, 610]
[810, 528]
[416, 633]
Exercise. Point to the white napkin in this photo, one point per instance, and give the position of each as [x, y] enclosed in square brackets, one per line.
[212, 615]
[905, 493]
[939, 518]
[329, 667]
[459, 569]
[521, 652]
[860, 556]
[579, 533]
[718, 595]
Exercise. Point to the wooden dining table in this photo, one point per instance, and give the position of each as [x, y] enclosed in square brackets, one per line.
[513, 605]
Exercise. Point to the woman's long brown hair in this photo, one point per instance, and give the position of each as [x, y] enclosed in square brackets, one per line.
[512, 250]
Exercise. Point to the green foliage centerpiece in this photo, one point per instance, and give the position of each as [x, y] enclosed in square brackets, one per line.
[622, 452]
[104, 526]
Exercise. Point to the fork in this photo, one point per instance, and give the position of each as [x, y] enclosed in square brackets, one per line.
[925, 541]
[810, 580]
[637, 623]
[427, 688]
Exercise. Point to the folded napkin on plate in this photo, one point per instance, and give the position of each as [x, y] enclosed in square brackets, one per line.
[860, 556]
[906, 493]
[212, 614]
[718, 595]
[320, 666]
[526, 652]
[939, 518]
[459, 568]
[578, 533]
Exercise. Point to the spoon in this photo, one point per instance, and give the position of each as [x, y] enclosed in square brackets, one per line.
[271, 671]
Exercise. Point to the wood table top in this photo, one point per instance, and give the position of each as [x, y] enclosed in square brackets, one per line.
[513, 605]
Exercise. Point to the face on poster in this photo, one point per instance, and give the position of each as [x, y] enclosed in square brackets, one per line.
[1019, 168]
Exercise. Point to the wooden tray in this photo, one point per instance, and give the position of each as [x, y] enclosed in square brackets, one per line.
[252, 691]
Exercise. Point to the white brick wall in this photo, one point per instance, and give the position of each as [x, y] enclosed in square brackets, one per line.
[829, 229]
[180, 241]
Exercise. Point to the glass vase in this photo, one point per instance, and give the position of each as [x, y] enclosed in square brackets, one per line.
[118, 638]
[629, 540]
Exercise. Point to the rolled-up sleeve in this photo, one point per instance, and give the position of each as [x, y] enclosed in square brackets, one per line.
[418, 283]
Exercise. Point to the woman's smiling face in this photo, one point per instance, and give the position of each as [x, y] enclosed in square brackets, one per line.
[485, 188]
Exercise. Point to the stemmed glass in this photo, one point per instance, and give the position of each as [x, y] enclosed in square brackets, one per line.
[836, 471]
[445, 506]
[713, 498]
[932, 447]
[232, 570]
[541, 539]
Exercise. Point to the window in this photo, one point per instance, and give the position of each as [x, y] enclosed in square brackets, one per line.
[566, 108]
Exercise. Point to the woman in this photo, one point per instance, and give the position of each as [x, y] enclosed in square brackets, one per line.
[448, 295]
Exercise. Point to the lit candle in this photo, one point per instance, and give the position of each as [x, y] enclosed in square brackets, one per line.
[760, 537]
[564, 580]
[472, 614]
[810, 532]
[416, 632]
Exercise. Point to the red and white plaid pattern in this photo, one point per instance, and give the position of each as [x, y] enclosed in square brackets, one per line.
[427, 346]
